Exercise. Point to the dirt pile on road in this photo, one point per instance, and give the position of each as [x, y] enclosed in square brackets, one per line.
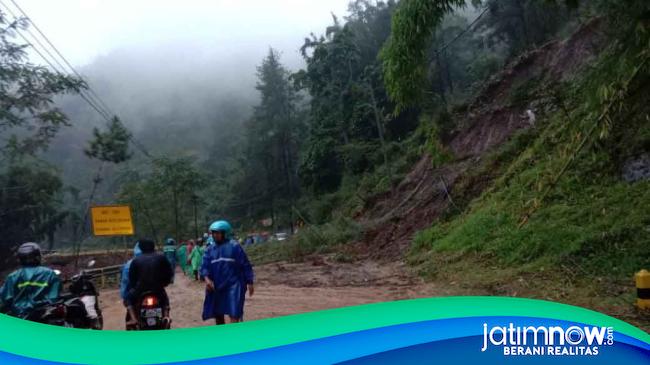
[289, 288]
[529, 83]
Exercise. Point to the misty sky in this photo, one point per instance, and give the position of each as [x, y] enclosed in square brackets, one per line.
[86, 29]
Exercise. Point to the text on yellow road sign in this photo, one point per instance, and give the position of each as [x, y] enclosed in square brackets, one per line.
[114, 220]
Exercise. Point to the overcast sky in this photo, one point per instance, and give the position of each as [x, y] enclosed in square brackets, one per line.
[86, 29]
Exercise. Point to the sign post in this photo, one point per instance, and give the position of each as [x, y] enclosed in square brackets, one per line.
[111, 220]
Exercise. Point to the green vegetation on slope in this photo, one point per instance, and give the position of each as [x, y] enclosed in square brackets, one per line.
[532, 216]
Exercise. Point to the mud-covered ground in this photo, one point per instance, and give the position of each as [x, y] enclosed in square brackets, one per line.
[323, 283]
[284, 289]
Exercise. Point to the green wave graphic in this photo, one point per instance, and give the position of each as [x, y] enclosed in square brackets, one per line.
[119, 347]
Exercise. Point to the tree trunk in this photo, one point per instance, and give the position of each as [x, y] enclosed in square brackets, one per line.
[196, 224]
[287, 169]
[450, 82]
[441, 77]
[50, 240]
[524, 26]
[175, 202]
[380, 131]
[151, 225]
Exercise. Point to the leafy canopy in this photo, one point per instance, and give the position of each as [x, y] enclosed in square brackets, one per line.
[27, 92]
[112, 145]
[404, 55]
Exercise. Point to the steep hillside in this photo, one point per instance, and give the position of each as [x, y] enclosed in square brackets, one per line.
[489, 121]
[547, 192]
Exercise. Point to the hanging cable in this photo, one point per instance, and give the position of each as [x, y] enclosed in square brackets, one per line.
[56, 50]
[53, 67]
[92, 98]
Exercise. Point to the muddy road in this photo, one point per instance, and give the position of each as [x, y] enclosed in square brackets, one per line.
[323, 283]
[285, 288]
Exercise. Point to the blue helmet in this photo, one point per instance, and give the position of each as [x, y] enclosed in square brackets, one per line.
[170, 241]
[221, 226]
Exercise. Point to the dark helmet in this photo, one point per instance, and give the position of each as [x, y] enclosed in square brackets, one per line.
[29, 254]
[146, 245]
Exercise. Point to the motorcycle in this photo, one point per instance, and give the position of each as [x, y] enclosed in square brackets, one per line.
[151, 313]
[79, 308]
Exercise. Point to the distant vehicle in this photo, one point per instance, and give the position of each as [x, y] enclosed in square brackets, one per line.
[280, 236]
[256, 238]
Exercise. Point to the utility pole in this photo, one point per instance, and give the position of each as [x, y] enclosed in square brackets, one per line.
[80, 238]
[174, 199]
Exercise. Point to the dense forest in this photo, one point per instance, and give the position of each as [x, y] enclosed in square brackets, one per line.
[321, 144]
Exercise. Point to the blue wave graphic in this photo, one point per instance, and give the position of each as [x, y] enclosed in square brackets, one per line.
[445, 341]
[458, 351]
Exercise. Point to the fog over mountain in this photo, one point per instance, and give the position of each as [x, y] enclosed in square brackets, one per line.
[194, 80]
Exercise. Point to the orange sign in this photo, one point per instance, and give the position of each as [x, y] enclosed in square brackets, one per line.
[112, 220]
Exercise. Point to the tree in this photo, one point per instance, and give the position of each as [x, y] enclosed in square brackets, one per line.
[30, 206]
[522, 24]
[179, 179]
[346, 124]
[27, 108]
[404, 56]
[405, 53]
[112, 145]
[162, 198]
[272, 140]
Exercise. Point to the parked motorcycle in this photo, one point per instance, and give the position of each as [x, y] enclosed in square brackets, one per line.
[78, 308]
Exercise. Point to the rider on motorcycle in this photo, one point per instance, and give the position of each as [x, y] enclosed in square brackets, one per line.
[31, 286]
[149, 272]
[125, 286]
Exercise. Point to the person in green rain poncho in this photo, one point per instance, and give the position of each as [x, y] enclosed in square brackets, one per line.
[196, 258]
[181, 257]
[170, 254]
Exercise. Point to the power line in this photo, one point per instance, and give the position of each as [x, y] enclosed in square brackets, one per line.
[83, 96]
[92, 98]
[102, 111]
[56, 70]
[61, 55]
[469, 27]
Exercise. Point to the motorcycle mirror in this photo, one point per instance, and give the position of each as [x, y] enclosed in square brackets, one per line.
[57, 272]
[91, 263]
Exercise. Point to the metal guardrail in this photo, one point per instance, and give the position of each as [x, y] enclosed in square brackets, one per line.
[103, 273]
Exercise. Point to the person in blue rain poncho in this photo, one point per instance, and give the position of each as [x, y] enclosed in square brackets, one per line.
[227, 274]
[124, 282]
[208, 240]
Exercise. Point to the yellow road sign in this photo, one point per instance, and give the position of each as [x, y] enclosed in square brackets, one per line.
[112, 220]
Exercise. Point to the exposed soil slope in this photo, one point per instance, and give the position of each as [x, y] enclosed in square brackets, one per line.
[488, 121]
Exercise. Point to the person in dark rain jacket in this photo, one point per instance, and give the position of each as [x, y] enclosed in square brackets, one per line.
[149, 272]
